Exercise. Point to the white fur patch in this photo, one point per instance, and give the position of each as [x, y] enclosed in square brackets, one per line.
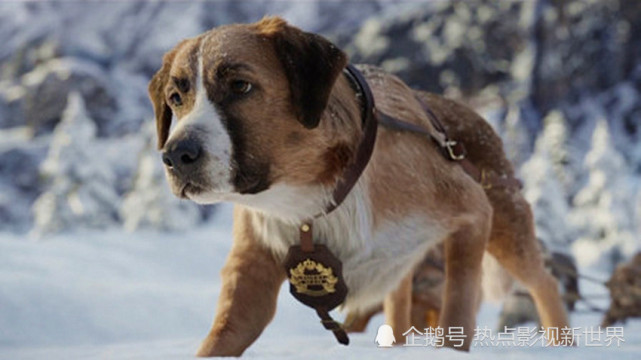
[291, 204]
[216, 142]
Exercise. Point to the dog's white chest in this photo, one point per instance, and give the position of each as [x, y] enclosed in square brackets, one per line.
[374, 260]
[387, 256]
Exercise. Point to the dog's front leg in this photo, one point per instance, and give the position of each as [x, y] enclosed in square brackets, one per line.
[398, 307]
[463, 255]
[251, 279]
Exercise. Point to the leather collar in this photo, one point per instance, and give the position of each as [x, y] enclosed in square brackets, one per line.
[352, 172]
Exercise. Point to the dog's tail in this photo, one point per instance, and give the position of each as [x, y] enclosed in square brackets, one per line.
[496, 283]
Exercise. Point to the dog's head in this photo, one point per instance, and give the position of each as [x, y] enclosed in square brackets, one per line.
[247, 100]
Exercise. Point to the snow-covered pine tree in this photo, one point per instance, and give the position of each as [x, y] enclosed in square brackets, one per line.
[543, 177]
[516, 140]
[555, 138]
[604, 207]
[81, 191]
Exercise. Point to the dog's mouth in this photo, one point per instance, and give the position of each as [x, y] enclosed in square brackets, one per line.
[190, 189]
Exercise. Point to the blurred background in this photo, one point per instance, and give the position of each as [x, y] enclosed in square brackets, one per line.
[559, 80]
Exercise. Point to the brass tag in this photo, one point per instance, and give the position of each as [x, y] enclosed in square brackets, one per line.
[315, 277]
[312, 278]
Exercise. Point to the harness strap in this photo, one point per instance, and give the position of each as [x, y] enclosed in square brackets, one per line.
[451, 149]
[333, 325]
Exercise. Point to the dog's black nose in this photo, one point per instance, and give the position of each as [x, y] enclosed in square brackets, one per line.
[182, 155]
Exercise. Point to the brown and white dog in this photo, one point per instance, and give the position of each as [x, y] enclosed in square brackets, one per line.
[267, 120]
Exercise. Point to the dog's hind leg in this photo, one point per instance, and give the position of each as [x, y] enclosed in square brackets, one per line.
[247, 302]
[464, 251]
[513, 243]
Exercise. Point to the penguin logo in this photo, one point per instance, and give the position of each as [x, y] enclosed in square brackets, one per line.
[385, 336]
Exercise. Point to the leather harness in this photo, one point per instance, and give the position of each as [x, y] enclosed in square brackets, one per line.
[315, 274]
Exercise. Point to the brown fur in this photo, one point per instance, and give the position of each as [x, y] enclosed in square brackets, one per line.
[283, 128]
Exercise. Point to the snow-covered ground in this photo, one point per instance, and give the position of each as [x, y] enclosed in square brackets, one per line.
[151, 295]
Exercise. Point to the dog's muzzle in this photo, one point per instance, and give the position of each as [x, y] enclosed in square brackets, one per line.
[183, 157]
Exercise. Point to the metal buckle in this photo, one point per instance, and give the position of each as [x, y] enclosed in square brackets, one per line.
[449, 145]
[484, 184]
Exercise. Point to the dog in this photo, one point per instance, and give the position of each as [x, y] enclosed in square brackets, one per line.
[267, 119]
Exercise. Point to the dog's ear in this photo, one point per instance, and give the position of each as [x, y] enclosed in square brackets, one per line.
[312, 65]
[157, 95]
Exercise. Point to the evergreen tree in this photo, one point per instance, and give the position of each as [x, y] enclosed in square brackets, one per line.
[543, 177]
[515, 136]
[81, 191]
[604, 210]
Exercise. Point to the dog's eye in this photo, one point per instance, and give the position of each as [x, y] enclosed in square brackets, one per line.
[240, 87]
[183, 85]
[175, 99]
